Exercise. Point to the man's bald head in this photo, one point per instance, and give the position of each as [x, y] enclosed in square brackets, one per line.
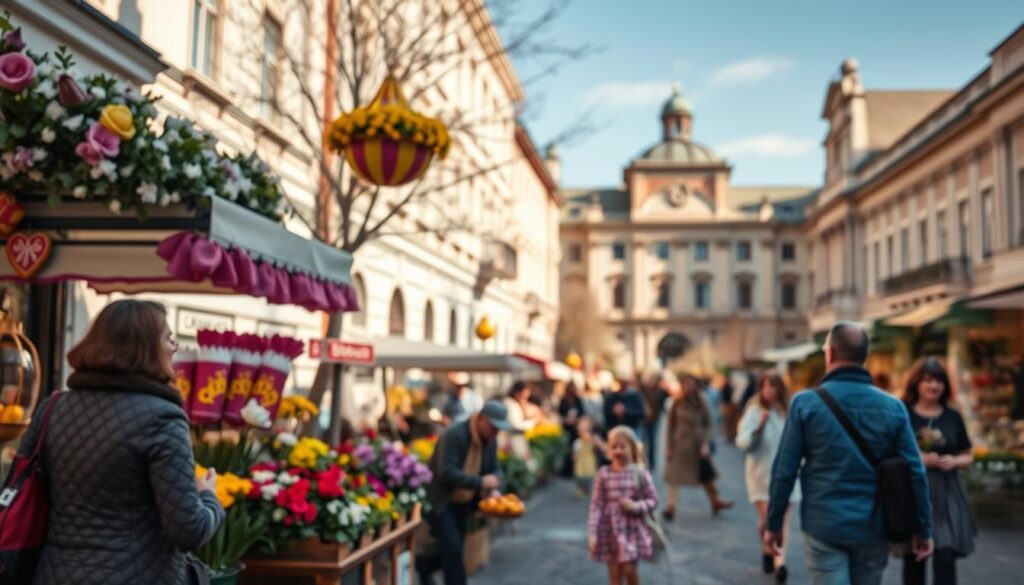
[848, 342]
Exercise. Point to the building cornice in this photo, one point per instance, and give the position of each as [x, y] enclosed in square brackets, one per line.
[483, 25]
[526, 144]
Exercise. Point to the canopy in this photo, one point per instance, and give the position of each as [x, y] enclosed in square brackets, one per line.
[791, 353]
[396, 352]
[922, 315]
[1011, 299]
[547, 369]
[224, 250]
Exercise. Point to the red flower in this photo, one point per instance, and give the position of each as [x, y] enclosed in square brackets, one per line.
[268, 466]
[294, 496]
[328, 483]
[346, 448]
[371, 434]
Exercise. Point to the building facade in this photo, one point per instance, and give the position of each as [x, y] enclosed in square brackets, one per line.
[676, 257]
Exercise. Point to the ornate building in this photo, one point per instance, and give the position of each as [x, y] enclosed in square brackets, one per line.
[677, 257]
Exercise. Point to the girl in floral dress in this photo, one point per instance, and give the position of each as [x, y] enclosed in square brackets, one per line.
[623, 494]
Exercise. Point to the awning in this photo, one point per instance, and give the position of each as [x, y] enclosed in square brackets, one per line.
[550, 369]
[791, 353]
[224, 250]
[1011, 299]
[922, 315]
[396, 352]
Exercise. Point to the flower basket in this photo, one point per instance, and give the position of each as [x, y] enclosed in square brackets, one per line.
[387, 162]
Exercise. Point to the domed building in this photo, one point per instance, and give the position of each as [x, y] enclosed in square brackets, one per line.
[675, 259]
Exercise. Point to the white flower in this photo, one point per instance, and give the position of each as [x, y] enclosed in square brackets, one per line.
[104, 168]
[147, 193]
[79, 192]
[287, 439]
[270, 491]
[48, 135]
[115, 207]
[263, 476]
[244, 185]
[118, 100]
[165, 162]
[253, 204]
[334, 506]
[279, 514]
[47, 88]
[209, 192]
[285, 478]
[75, 74]
[74, 123]
[96, 172]
[210, 155]
[403, 498]
[39, 154]
[231, 189]
[127, 170]
[160, 145]
[173, 123]
[165, 200]
[175, 197]
[256, 416]
[193, 171]
[54, 110]
[140, 143]
[119, 87]
[44, 70]
[35, 176]
[99, 92]
[172, 137]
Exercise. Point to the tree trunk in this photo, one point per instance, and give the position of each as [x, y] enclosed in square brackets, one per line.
[323, 378]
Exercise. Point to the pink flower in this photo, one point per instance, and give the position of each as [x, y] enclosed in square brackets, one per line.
[89, 153]
[16, 72]
[23, 159]
[103, 140]
[69, 93]
[12, 40]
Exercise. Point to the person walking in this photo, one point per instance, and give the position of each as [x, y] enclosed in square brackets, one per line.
[623, 494]
[125, 505]
[570, 411]
[844, 533]
[465, 470]
[624, 406]
[759, 435]
[653, 391]
[945, 449]
[688, 449]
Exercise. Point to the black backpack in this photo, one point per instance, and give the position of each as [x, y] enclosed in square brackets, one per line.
[895, 491]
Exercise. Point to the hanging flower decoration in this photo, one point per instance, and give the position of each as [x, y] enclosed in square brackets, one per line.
[387, 143]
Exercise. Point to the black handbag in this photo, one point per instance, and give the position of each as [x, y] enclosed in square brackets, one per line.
[895, 491]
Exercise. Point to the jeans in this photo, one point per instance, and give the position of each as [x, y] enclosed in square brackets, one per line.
[943, 566]
[449, 530]
[845, 564]
[649, 437]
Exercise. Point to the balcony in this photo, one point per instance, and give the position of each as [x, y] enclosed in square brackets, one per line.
[953, 271]
[829, 298]
[499, 261]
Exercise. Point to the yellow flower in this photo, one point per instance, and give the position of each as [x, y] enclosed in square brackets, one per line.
[344, 459]
[307, 451]
[362, 501]
[544, 430]
[118, 119]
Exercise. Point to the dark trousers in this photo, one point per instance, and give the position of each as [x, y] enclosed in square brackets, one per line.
[649, 437]
[943, 565]
[449, 531]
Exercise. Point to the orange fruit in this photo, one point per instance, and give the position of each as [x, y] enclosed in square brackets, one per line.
[12, 414]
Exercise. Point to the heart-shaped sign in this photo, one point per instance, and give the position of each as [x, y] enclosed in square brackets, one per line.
[27, 253]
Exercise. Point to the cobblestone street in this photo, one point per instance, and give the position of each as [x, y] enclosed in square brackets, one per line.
[550, 541]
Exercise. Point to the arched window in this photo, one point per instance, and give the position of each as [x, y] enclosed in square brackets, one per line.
[453, 328]
[359, 317]
[428, 322]
[396, 316]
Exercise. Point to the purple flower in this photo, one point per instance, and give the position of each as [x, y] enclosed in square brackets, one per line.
[89, 153]
[365, 454]
[69, 93]
[23, 159]
[103, 140]
[13, 40]
[16, 72]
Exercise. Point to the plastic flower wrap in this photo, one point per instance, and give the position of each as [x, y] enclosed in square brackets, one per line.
[246, 356]
[275, 365]
[184, 365]
[211, 376]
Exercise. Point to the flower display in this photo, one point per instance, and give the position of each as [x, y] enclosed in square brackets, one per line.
[229, 488]
[307, 453]
[394, 121]
[296, 406]
[423, 448]
[103, 142]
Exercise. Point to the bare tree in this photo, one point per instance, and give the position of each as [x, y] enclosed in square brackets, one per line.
[581, 326]
[419, 43]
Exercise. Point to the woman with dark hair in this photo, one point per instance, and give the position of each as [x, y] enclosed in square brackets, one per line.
[760, 434]
[688, 448]
[945, 450]
[125, 504]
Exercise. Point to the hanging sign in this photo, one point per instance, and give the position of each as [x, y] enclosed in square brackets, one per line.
[342, 352]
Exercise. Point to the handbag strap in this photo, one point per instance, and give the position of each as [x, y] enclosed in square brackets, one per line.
[640, 483]
[44, 425]
[851, 430]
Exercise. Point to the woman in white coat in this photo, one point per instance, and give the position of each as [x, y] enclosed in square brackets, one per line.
[759, 435]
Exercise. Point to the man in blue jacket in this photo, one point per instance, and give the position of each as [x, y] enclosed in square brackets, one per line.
[844, 535]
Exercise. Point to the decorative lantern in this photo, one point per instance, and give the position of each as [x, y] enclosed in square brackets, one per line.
[484, 329]
[387, 143]
[19, 380]
[574, 361]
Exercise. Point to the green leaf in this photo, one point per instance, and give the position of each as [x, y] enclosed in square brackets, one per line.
[18, 131]
[5, 22]
[4, 132]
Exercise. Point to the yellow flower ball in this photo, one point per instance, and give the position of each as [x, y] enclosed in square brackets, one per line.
[118, 119]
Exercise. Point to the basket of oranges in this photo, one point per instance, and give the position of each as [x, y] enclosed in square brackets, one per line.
[506, 506]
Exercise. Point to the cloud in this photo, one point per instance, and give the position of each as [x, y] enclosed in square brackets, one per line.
[749, 71]
[627, 94]
[769, 145]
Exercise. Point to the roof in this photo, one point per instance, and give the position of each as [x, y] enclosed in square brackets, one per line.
[613, 201]
[892, 113]
[678, 151]
[755, 194]
[785, 210]
[677, 104]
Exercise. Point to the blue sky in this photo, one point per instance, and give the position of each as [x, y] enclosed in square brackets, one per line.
[755, 70]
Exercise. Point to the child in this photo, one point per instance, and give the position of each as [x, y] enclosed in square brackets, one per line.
[623, 494]
[584, 455]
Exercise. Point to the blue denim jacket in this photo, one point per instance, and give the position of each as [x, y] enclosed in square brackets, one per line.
[839, 485]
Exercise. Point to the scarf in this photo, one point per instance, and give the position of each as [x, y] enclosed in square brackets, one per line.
[472, 465]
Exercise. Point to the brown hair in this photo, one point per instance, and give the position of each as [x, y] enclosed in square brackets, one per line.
[927, 368]
[125, 338]
[780, 390]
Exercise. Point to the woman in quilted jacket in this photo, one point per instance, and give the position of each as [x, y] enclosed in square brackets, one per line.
[124, 501]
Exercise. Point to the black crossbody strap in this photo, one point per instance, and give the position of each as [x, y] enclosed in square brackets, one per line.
[851, 430]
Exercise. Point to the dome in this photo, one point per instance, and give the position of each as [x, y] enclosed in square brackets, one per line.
[677, 104]
[680, 152]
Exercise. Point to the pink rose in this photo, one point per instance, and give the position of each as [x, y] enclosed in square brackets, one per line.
[69, 93]
[89, 153]
[103, 140]
[16, 72]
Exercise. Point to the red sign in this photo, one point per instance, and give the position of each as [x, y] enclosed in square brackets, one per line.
[341, 352]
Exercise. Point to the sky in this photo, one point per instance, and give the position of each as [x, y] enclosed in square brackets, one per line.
[756, 72]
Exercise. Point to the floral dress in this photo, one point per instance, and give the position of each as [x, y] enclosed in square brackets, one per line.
[622, 537]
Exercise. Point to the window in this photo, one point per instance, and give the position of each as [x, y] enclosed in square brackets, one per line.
[876, 273]
[788, 295]
[664, 294]
[359, 317]
[428, 322]
[701, 295]
[661, 250]
[396, 316]
[965, 230]
[270, 74]
[619, 294]
[205, 37]
[987, 223]
[943, 232]
[575, 253]
[743, 251]
[922, 235]
[619, 251]
[904, 249]
[744, 294]
[701, 252]
[889, 268]
[453, 328]
[788, 252]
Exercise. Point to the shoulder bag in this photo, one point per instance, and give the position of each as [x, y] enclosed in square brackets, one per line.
[658, 536]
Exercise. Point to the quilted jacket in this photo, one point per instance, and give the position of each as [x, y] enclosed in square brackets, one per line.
[123, 500]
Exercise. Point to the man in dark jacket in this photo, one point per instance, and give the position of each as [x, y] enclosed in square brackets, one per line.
[623, 405]
[465, 468]
[655, 396]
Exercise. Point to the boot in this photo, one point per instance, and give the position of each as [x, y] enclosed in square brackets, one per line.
[717, 504]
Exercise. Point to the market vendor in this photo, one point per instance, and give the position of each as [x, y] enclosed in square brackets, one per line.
[465, 468]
